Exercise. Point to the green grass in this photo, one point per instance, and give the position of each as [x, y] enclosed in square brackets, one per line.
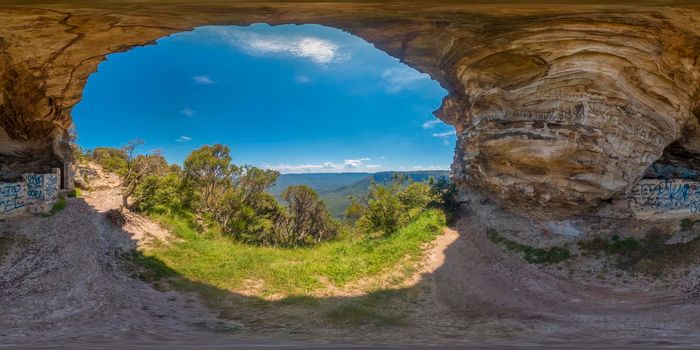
[532, 255]
[74, 193]
[217, 260]
[57, 207]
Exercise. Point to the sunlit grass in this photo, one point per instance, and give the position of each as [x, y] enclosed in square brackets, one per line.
[219, 261]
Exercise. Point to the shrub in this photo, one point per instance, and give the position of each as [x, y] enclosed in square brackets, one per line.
[389, 207]
[57, 207]
[156, 192]
[307, 220]
[110, 159]
[444, 194]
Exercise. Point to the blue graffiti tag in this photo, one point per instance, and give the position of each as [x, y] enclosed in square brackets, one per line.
[35, 186]
[10, 197]
[51, 186]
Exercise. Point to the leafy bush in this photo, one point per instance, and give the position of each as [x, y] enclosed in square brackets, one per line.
[110, 159]
[159, 192]
[444, 194]
[389, 207]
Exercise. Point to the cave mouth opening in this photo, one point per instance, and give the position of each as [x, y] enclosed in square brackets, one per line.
[676, 163]
[293, 98]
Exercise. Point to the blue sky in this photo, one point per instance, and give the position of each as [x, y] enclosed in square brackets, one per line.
[293, 98]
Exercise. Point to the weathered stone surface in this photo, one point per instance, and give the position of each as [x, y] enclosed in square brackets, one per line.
[557, 108]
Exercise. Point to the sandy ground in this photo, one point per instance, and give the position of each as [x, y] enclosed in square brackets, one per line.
[62, 281]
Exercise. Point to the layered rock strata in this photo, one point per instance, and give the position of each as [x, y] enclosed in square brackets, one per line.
[558, 109]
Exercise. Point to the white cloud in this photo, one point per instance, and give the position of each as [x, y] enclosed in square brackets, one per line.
[317, 50]
[302, 79]
[188, 112]
[203, 80]
[445, 134]
[431, 124]
[398, 79]
[357, 165]
[430, 167]
[183, 139]
[354, 163]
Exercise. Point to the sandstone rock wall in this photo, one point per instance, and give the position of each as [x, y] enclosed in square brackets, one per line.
[558, 108]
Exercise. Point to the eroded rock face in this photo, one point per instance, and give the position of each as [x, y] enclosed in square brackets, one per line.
[557, 109]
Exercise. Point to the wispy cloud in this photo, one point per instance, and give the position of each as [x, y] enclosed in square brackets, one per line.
[354, 163]
[187, 111]
[430, 167]
[203, 80]
[398, 79]
[431, 124]
[183, 139]
[302, 79]
[445, 134]
[326, 167]
[317, 50]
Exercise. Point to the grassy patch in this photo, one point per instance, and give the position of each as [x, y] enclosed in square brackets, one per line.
[532, 255]
[74, 193]
[57, 207]
[217, 260]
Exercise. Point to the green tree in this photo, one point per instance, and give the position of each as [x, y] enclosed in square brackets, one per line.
[307, 220]
[247, 210]
[160, 192]
[209, 171]
[138, 167]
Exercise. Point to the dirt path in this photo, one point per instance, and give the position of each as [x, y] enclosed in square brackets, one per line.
[66, 281]
[62, 279]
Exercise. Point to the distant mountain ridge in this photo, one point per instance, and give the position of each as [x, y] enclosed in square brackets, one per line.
[336, 188]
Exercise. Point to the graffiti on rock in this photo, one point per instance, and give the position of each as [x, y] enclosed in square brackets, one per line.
[34, 189]
[51, 186]
[10, 197]
[665, 195]
[35, 186]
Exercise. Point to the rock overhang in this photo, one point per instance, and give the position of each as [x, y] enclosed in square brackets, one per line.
[558, 109]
